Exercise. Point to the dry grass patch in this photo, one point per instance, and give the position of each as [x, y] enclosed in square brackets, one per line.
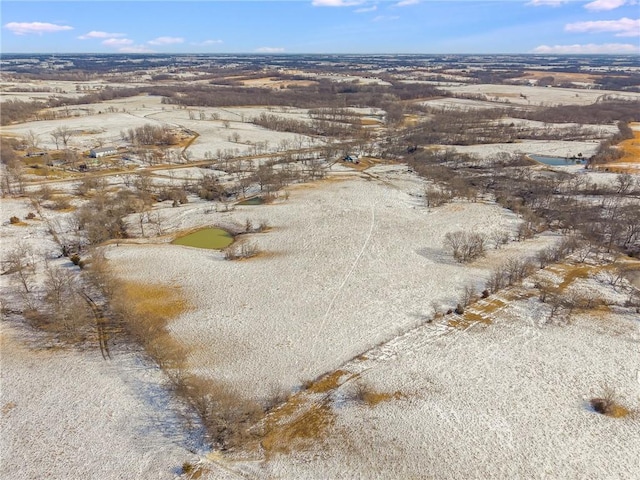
[303, 419]
[366, 394]
[630, 161]
[559, 77]
[482, 309]
[464, 321]
[471, 317]
[631, 149]
[374, 398]
[370, 121]
[7, 407]
[607, 404]
[145, 310]
[490, 306]
[157, 300]
[410, 120]
[16, 222]
[328, 382]
[458, 322]
[570, 273]
[191, 471]
[285, 434]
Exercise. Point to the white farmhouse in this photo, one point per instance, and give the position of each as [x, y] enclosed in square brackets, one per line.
[102, 152]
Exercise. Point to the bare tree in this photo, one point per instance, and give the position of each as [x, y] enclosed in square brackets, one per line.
[545, 288]
[68, 314]
[435, 196]
[468, 295]
[58, 283]
[625, 184]
[499, 238]
[465, 246]
[20, 261]
[62, 134]
[12, 174]
[32, 139]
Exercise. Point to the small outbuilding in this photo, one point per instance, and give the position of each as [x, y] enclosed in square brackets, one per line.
[102, 152]
[351, 158]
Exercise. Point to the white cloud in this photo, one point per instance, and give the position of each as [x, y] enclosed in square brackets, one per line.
[590, 48]
[406, 3]
[372, 8]
[603, 5]
[552, 3]
[136, 49]
[625, 27]
[336, 3]
[270, 50]
[166, 41]
[94, 34]
[25, 28]
[117, 42]
[207, 42]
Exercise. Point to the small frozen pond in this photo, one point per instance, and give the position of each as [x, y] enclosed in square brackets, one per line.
[558, 161]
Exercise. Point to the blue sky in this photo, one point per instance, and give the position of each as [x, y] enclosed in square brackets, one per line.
[321, 26]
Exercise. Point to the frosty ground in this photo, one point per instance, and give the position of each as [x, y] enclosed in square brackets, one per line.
[351, 263]
[347, 263]
[351, 273]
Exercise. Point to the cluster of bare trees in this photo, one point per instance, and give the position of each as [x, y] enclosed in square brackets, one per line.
[55, 305]
[269, 176]
[456, 127]
[323, 93]
[62, 134]
[436, 196]
[334, 114]
[607, 214]
[13, 110]
[329, 128]
[603, 112]
[239, 250]
[563, 302]
[509, 273]
[103, 216]
[12, 172]
[465, 246]
[607, 152]
[150, 134]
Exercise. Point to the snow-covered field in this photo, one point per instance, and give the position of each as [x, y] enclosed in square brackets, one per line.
[67, 414]
[347, 264]
[351, 265]
[104, 123]
[508, 400]
[351, 271]
[550, 96]
[554, 148]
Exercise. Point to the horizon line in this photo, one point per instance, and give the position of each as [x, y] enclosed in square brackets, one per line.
[284, 54]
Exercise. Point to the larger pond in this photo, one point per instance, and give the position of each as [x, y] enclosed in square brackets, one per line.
[558, 161]
[214, 238]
